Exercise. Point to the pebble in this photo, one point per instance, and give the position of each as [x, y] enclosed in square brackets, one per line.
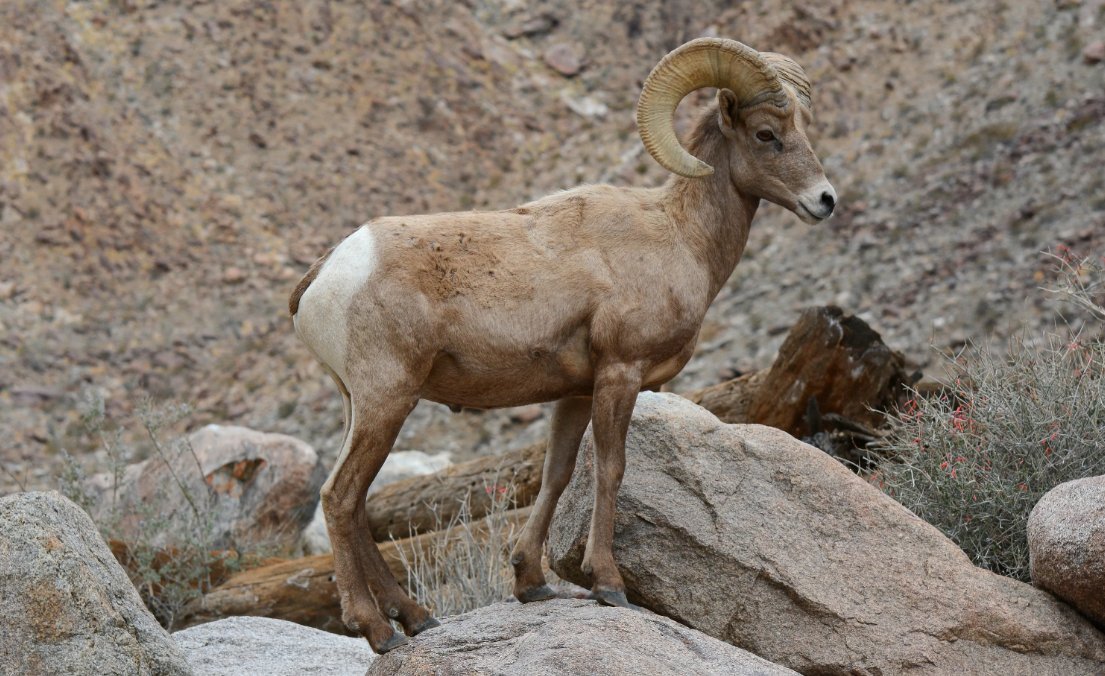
[565, 58]
[1094, 53]
[536, 25]
[233, 276]
[585, 106]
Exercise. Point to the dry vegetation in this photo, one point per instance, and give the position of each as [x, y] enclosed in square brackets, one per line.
[1007, 428]
[167, 577]
[465, 565]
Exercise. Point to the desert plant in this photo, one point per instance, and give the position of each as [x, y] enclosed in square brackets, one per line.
[974, 459]
[166, 577]
[1081, 281]
[463, 564]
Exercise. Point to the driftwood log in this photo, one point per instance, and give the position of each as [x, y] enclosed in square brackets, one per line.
[833, 358]
[304, 590]
[425, 503]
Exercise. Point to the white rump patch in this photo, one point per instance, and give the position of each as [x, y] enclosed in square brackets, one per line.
[324, 308]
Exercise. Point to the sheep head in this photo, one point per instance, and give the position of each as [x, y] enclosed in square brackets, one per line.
[764, 109]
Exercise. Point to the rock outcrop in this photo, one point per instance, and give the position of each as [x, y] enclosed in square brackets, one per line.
[256, 488]
[66, 606]
[758, 539]
[567, 637]
[1066, 544]
[261, 645]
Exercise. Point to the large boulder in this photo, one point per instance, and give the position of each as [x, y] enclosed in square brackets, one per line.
[262, 645]
[251, 488]
[1066, 544]
[751, 536]
[567, 637]
[66, 606]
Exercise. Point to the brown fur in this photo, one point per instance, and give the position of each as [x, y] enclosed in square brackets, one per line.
[586, 297]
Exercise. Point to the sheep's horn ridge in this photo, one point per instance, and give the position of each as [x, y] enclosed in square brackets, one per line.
[792, 75]
[705, 62]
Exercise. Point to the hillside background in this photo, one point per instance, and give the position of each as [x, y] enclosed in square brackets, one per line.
[169, 170]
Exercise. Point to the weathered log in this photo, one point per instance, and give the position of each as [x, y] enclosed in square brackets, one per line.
[425, 503]
[304, 590]
[731, 400]
[832, 357]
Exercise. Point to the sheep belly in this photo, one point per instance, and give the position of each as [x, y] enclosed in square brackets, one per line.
[497, 378]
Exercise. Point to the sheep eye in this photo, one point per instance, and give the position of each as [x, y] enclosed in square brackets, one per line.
[765, 135]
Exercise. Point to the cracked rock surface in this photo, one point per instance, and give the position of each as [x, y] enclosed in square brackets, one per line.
[749, 535]
[66, 605]
[565, 636]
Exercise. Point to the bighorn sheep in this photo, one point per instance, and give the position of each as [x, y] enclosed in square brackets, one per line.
[586, 297]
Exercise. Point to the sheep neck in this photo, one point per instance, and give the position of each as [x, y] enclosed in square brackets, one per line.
[713, 215]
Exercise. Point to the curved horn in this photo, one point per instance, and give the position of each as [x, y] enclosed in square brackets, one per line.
[705, 62]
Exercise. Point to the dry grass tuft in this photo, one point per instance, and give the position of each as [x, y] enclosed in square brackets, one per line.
[464, 564]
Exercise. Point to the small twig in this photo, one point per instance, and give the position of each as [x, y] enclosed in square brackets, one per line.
[21, 484]
[172, 472]
[1073, 290]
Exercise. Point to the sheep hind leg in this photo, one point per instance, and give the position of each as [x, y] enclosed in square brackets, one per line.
[568, 424]
[374, 422]
[392, 601]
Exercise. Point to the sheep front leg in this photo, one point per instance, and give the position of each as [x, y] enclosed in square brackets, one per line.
[616, 388]
[569, 421]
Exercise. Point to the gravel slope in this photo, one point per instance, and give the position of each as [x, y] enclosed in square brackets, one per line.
[167, 173]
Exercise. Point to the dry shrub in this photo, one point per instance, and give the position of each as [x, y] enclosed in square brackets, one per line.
[974, 460]
[167, 578]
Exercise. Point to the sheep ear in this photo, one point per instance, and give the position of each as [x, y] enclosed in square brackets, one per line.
[727, 110]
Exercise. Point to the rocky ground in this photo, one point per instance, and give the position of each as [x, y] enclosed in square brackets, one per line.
[833, 577]
[167, 172]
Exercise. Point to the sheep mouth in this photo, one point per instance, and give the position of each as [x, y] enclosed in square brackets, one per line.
[806, 215]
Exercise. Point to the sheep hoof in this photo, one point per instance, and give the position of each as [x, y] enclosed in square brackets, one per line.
[397, 640]
[610, 597]
[430, 623]
[542, 593]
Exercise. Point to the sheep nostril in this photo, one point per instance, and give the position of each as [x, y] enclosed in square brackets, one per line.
[828, 201]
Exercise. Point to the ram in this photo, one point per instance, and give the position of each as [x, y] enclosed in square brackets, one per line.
[584, 297]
